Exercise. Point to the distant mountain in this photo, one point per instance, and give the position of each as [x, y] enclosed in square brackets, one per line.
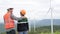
[44, 22]
[56, 21]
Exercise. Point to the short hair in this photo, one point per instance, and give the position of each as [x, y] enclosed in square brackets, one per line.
[9, 9]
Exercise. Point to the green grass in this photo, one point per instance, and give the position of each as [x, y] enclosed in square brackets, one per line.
[57, 32]
[31, 33]
[42, 30]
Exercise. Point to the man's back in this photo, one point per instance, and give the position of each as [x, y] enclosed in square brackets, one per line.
[9, 23]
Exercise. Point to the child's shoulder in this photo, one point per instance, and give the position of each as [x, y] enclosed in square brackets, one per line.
[24, 17]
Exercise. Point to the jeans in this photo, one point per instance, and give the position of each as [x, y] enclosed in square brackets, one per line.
[24, 32]
[11, 32]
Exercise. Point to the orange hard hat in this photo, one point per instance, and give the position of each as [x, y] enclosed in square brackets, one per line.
[23, 12]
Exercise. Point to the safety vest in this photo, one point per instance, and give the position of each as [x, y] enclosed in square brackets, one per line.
[9, 23]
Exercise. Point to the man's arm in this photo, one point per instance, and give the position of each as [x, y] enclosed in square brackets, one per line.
[14, 17]
[4, 18]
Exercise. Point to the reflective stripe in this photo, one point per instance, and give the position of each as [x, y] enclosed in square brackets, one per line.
[10, 29]
[22, 22]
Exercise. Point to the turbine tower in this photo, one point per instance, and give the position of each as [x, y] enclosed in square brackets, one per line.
[50, 10]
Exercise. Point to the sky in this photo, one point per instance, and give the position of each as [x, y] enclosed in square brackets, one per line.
[36, 9]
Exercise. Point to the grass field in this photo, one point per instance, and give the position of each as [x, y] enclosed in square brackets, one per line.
[37, 33]
[42, 30]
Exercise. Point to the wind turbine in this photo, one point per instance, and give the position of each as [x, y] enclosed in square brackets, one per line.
[51, 9]
[51, 17]
[34, 26]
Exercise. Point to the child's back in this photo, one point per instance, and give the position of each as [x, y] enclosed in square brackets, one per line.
[22, 25]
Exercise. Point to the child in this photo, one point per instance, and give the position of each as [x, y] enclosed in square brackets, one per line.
[22, 25]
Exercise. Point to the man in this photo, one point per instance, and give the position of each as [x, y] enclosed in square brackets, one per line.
[9, 23]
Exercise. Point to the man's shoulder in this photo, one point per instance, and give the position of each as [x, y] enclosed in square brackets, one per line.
[6, 15]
